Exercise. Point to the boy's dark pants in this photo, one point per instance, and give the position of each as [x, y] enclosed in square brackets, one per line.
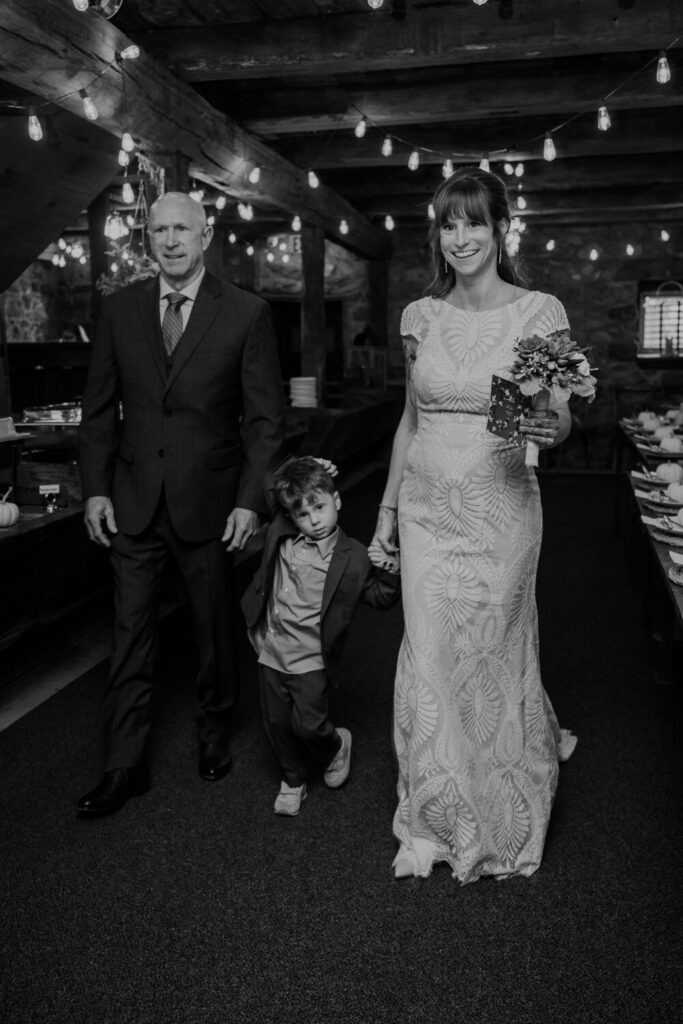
[294, 709]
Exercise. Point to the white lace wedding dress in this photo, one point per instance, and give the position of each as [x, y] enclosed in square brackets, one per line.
[476, 738]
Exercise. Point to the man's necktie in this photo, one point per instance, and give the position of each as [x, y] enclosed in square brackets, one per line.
[172, 326]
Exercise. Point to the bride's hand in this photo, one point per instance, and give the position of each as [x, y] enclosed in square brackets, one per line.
[385, 531]
[540, 426]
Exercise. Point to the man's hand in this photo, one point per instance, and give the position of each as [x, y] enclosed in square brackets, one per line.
[98, 509]
[241, 526]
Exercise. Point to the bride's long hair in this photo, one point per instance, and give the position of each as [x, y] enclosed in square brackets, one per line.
[476, 195]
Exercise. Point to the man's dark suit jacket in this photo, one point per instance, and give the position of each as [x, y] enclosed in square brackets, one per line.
[208, 431]
[351, 578]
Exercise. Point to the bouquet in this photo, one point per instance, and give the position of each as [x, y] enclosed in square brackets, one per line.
[551, 366]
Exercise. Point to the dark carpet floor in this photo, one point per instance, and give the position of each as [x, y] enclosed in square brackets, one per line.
[198, 905]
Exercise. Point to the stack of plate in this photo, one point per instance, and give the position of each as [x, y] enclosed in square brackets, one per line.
[302, 392]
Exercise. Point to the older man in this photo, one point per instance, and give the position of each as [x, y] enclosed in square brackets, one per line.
[191, 363]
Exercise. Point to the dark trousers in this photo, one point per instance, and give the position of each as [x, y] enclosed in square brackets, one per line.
[138, 564]
[294, 709]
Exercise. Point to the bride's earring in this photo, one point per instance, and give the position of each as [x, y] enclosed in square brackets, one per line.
[500, 253]
[446, 266]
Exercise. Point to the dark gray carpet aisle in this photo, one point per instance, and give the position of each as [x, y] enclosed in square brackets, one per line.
[197, 905]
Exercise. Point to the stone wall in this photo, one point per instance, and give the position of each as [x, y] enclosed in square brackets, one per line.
[601, 299]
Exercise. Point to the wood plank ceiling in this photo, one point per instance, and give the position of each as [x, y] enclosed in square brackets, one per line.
[448, 78]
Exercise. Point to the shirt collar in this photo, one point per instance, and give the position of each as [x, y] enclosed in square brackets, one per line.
[190, 290]
[324, 546]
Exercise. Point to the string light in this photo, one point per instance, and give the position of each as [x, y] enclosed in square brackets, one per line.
[77, 251]
[519, 170]
[389, 222]
[550, 244]
[55, 260]
[124, 158]
[480, 3]
[593, 255]
[604, 120]
[270, 257]
[255, 175]
[521, 203]
[387, 146]
[313, 179]
[549, 151]
[343, 227]
[360, 129]
[232, 238]
[81, 5]
[629, 249]
[35, 131]
[296, 222]
[61, 244]
[127, 142]
[246, 211]
[285, 257]
[197, 194]
[508, 168]
[663, 74]
[430, 211]
[484, 163]
[211, 220]
[250, 250]
[375, 4]
[89, 108]
[220, 202]
[62, 261]
[664, 235]
[447, 169]
[131, 52]
[127, 193]
[414, 160]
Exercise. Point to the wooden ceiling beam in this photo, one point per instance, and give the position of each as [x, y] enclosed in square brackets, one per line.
[464, 100]
[367, 41]
[49, 49]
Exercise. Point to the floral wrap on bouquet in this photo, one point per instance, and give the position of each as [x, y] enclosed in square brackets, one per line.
[551, 367]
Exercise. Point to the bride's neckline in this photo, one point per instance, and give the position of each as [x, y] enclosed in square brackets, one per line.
[489, 309]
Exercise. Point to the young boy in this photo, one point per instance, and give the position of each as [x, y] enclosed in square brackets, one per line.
[298, 608]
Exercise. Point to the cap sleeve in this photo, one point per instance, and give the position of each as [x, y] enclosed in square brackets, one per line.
[409, 320]
[557, 315]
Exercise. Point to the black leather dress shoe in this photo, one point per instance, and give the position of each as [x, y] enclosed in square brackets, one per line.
[215, 760]
[112, 791]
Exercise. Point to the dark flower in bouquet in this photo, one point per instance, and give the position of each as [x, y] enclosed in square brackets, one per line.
[555, 364]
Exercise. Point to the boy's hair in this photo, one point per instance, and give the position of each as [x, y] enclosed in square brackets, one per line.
[298, 480]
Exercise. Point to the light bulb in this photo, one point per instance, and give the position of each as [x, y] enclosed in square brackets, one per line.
[629, 249]
[232, 238]
[83, 260]
[593, 255]
[130, 220]
[550, 244]
[35, 131]
[313, 179]
[68, 250]
[519, 170]
[359, 130]
[375, 4]
[387, 146]
[296, 222]
[285, 257]
[389, 222]
[343, 227]
[77, 251]
[114, 268]
[81, 5]
[663, 70]
[211, 220]
[55, 260]
[127, 193]
[604, 122]
[430, 211]
[549, 151]
[521, 203]
[245, 210]
[255, 175]
[250, 250]
[197, 194]
[89, 108]
[220, 202]
[131, 52]
[270, 257]
[127, 142]
[664, 235]
[414, 160]
[447, 169]
[124, 158]
[484, 163]
[61, 244]
[508, 168]
[480, 3]
[62, 261]
[282, 246]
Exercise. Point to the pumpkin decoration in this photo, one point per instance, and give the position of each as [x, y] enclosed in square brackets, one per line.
[675, 492]
[670, 472]
[671, 444]
[9, 512]
[661, 432]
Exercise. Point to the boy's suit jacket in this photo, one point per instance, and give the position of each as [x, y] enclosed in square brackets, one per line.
[350, 578]
[207, 432]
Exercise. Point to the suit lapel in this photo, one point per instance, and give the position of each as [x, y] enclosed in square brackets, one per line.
[148, 305]
[338, 564]
[204, 311]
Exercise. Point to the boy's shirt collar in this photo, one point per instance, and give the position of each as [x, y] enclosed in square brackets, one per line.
[325, 546]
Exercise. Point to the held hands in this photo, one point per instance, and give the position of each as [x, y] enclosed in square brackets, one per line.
[384, 540]
[540, 426]
[381, 560]
[100, 510]
[241, 526]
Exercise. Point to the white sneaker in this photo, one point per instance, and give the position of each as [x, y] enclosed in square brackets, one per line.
[337, 772]
[289, 799]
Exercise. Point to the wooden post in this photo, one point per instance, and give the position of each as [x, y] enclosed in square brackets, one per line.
[97, 215]
[313, 305]
[378, 281]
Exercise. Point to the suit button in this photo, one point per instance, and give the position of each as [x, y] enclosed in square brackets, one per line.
[161, 453]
